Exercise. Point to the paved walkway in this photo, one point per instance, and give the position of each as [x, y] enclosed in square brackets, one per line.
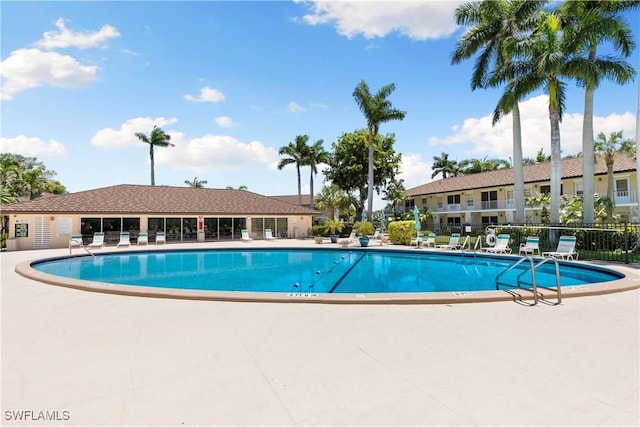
[101, 359]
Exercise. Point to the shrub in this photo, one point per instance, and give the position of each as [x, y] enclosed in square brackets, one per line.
[401, 232]
[364, 228]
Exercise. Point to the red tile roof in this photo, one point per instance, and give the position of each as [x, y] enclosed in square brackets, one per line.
[540, 172]
[144, 199]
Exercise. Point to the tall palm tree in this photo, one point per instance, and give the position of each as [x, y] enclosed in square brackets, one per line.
[330, 199]
[605, 25]
[196, 183]
[607, 148]
[496, 29]
[471, 166]
[395, 194]
[377, 109]
[297, 153]
[442, 165]
[158, 138]
[316, 155]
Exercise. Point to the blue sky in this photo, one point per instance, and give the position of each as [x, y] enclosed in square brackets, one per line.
[232, 82]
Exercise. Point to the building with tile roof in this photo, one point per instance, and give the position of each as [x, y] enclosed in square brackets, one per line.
[183, 213]
[488, 197]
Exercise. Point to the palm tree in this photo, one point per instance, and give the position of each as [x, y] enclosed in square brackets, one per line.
[158, 138]
[298, 153]
[395, 194]
[604, 24]
[497, 26]
[607, 148]
[442, 165]
[196, 183]
[316, 155]
[376, 109]
[330, 199]
[471, 166]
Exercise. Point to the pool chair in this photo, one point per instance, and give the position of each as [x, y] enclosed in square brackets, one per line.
[417, 241]
[161, 237]
[377, 236]
[502, 245]
[125, 239]
[566, 249]
[143, 239]
[268, 234]
[430, 241]
[531, 246]
[76, 241]
[453, 242]
[245, 236]
[98, 241]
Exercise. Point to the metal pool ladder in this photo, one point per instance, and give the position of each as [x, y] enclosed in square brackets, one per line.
[532, 268]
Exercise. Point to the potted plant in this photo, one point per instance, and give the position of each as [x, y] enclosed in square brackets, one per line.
[364, 229]
[335, 227]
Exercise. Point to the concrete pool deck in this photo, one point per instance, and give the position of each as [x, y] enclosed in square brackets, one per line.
[98, 359]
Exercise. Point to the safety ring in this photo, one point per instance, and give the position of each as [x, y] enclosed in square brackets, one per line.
[491, 239]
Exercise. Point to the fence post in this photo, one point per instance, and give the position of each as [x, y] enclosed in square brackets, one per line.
[626, 243]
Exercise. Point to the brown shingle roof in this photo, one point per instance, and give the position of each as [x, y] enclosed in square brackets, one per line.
[144, 199]
[539, 172]
[293, 199]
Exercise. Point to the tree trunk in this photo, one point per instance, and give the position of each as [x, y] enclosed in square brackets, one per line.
[518, 171]
[556, 172]
[311, 190]
[610, 194]
[153, 179]
[588, 185]
[370, 176]
[299, 186]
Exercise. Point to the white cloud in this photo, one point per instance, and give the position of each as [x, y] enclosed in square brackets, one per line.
[31, 146]
[215, 153]
[481, 139]
[207, 94]
[67, 38]
[418, 20]
[28, 68]
[293, 107]
[414, 170]
[125, 136]
[224, 121]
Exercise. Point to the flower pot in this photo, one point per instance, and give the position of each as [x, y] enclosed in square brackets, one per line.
[364, 241]
[334, 238]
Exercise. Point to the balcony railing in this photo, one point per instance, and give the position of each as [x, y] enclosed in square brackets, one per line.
[625, 197]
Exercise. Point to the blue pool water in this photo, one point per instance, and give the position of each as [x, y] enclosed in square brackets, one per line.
[317, 270]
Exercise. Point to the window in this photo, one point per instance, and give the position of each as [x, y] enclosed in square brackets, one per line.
[21, 228]
[490, 199]
[409, 204]
[439, 202]
[546, 189]
[453, 199]
[578, 188]
[424, 201]
[453, 221]
[486, 220]
[528, 192]
[469, 200]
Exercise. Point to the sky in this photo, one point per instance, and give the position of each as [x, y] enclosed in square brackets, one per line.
[232, 82]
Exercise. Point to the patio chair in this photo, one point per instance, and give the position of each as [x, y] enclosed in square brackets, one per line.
[76, 241]
[453, 242]
[143, 239]
[430, 241]
[502, 245]
[161, 237]
[245, 236]
[417, 241]
[531, 246]
[98, 240]
[565, 250]
[268, 234]
[125, 239]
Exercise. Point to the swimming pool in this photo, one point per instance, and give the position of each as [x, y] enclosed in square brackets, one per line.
[313, 273]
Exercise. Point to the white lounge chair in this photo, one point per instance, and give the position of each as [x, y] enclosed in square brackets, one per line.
[125, 239]
[161, 237]
[430, 241]
[453, 242]
[417, 241]
[245, 236]
[565, 250]
[502, 245]
[76, 241]
[268, 234]
[531, 246]
[98, 240]
[143, 239]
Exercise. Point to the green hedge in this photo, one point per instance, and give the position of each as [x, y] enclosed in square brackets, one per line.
[401, 232]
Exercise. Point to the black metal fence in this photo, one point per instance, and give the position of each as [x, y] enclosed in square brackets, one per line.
[617, 242]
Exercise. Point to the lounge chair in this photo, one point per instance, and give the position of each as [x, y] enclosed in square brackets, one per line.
[125, 239]
[98, 240]
[161, 237]
[245, 236]
[377, 236]
[76, 241]
[565, 250]
[502, 245]
[430, 241]
[531, 246]
[453, 242]
[417, 241]
[143, 239]
[268, 234]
